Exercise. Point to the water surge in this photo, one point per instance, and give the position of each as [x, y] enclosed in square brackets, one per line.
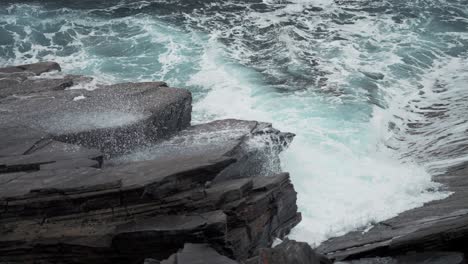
[373, 90]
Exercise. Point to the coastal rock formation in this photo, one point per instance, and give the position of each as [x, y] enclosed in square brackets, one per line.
[440, 225]
[35, 68]
[118, 175]
[113, 118]
[289, 252]
[255, 147]
[415, 258]
[198, 254]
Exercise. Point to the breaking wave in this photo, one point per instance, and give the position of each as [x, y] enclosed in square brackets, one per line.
[374, 90]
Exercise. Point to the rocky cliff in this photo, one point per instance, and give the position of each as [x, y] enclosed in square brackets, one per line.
[118, 174]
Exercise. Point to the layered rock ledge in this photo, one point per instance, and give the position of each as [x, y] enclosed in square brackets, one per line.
[118, 175]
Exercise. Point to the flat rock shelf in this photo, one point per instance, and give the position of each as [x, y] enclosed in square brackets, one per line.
[118, 175]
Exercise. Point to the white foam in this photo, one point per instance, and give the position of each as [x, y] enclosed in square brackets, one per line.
[75, 122]
[77, 98]
[344, 177]
[341, 190]
[228, 91]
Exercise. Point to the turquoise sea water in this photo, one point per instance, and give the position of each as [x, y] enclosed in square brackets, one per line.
[375, 90]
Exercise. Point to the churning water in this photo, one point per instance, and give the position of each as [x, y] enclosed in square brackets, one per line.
[376, 91]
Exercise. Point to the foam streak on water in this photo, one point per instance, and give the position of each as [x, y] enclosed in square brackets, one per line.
[374, 90]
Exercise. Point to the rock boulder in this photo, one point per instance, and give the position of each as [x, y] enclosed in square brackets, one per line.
[290, 252]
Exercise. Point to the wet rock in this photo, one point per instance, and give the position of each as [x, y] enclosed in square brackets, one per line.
[36, 68]
[258, 154]
[415, 258]
[26, 149]
[18, 139]
[26, 87]
[289, 252]
[114, 118]
[254, 145]
[132, 183]
[374, 75]
[63, 201]
[119, 219]
[151, 261]
[198, 254]
[53, 155]
[440, 225]
[162, 234]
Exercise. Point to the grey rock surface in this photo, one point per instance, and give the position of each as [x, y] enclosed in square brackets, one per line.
[198, 254]
[114, 118]
[415, 258]
[35, 68]
[63, 200]
[23, 87]
[254, 145]
[291, 252]
[128, 224]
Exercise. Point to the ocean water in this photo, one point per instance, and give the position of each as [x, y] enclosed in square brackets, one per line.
[376, 91]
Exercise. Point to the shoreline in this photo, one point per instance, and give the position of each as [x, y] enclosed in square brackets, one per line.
[119, 175]
[440, 225]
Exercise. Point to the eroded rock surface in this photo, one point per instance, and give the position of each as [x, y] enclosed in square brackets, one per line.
[289, 251]
[133, 218]
[415, 258]
[198, 254]
[254, 145]
[113, 118]
[35, 68]
[117, 175]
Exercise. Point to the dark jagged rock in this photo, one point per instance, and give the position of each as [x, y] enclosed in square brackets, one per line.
[126, 116]
[113, 118]
[289, 252]
[36, 68]
[258, 153]
[415, 258]
[130, 225]
[63, 201]
[23, 149]
[127, 184]
[161, 234]
[198, 254]
[151, 261]
[52, 155]
[254, 145]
